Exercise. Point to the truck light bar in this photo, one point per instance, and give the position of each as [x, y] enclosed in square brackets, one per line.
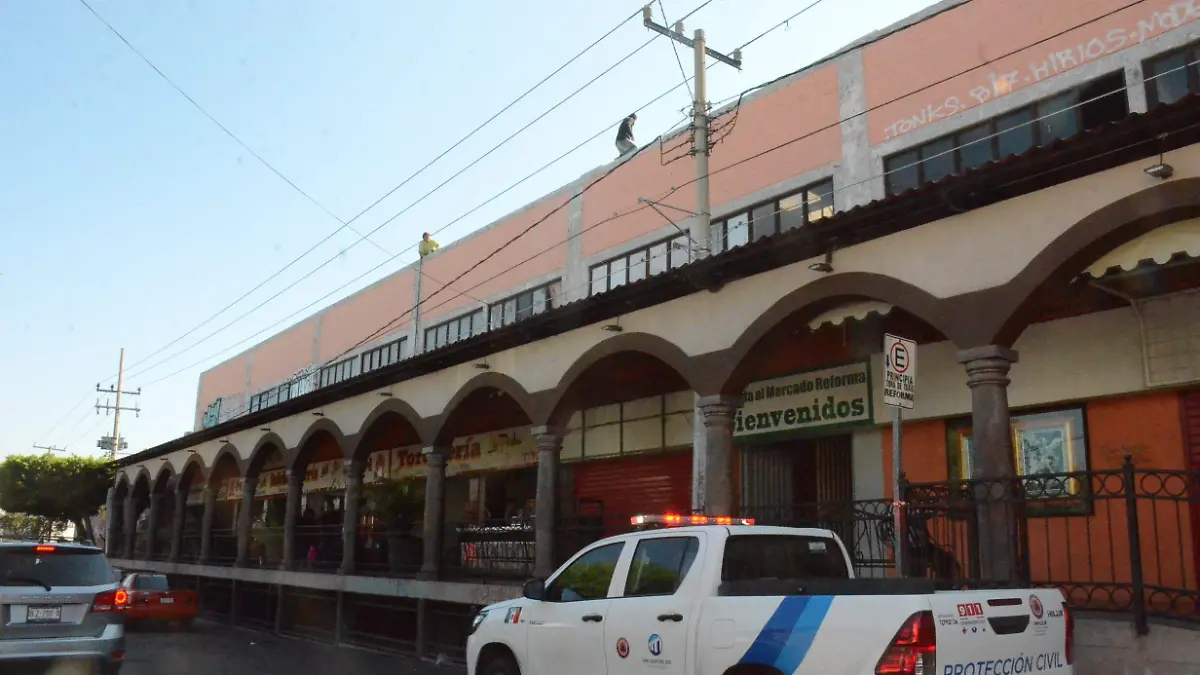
[675, 520]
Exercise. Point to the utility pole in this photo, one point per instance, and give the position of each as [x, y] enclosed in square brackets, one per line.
[116, 409]
[48, 448]
[700, 130]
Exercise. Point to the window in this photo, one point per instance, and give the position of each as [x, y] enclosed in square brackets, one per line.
[782, 557]
[458, 328]
[660, 565]
[588, 577]
[150, 582]
[1047, 444]
[524, 305]
[1172, 76]
[640, 263]
[338, 372]
[792, 211]
[24, 566]
[1061, 116]
[383, 355]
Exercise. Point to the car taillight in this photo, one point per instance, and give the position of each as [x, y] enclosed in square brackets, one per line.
[913, 650]
[1069, 648]
[111, 601]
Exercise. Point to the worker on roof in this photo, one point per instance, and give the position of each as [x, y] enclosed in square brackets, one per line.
[427, 245]
[625, 144]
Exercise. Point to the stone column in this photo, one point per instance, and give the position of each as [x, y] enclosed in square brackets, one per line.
[206, 523]
[295, 485]
[110, 522]
[130, 523]
[991, 437]
[152, 524]
[435, 509]
[243, 522]
[549, 446]
[354, 479]
[716, 483]
[177, 524]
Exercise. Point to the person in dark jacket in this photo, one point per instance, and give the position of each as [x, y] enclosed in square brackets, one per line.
[625, 144]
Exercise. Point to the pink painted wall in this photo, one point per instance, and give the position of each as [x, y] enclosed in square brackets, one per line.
[280, 357]
[805, 106]
[226, 380]
[504, 271]
[348, 322]
[983, 30]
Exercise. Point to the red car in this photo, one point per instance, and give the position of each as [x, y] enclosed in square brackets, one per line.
[151, 599]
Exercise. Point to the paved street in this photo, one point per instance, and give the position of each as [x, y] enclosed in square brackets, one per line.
[209, 649]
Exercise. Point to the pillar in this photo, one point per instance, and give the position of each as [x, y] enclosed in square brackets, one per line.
[243, 522]
[991, 437]
[295, 484]
[177, 524]
[110, 522]
[354, 479]
[545, 522]
[716, 482]
[206, 523]
[435, 509]
[130, 524]
[152, 524]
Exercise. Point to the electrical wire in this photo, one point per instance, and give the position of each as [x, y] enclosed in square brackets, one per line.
[344, 224]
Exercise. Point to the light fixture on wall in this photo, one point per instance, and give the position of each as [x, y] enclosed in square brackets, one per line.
[614, 327]
[385, 394]
[825, 266]
[318, 413]
[223, 440]
[1161, 170]
[265, 430]
[483, 365]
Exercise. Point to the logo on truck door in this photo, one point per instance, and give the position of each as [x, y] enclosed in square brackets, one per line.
[622, 647]
[1035, 606]
[655, 644]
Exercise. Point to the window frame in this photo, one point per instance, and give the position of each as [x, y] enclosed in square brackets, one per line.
[550, 583]
[677, 253]
[824, 187]
[1191, 53]
[378, 357]
[438, 335]
[681, 574]
[523, 305]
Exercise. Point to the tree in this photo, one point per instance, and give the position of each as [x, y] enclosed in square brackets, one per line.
[58, 489]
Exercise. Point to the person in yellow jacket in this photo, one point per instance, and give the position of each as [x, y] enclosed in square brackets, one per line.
[427, 245]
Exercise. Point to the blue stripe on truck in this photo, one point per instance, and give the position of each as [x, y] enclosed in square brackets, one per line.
[787, 636]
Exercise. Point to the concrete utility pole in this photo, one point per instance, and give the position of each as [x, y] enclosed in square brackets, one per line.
[116, 409]
[48, 448]
[700, 130]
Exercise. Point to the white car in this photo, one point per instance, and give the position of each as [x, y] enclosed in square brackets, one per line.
[737, 599]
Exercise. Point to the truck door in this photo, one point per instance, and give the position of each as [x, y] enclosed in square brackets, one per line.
[652, 618]
[566, 629]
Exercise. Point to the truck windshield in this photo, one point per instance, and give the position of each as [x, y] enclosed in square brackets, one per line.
[764, 557]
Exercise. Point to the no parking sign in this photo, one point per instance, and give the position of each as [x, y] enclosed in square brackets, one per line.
[899, 372]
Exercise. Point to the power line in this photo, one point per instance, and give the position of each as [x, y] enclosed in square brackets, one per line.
[344, 224]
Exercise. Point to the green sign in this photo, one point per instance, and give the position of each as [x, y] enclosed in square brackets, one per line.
[813, 401]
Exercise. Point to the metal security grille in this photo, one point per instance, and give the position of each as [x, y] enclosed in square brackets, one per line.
[1171, 334]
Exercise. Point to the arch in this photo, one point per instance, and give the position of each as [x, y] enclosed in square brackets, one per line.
[390, 408]
[122, 485]
[141, 484]
[562, 406]
[305, 448]
[268, 443]
[162, 481]
[1083, 243]
[820, 296]
[226, 456]
[442, 433]
[193, 469]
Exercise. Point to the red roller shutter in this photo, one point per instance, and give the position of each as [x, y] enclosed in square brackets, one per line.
[660, 483]
[1189, 403]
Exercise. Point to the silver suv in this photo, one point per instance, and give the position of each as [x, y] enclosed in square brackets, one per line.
[60, 606]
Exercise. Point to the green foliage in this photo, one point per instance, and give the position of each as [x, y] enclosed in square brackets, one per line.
[397, 503]
[25, 526]
[62, 489]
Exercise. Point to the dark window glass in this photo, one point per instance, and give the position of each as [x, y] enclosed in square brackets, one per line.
[903, 172]
[1172, 78]
[791, 211]
[938, 159]
[1016, 132]
[20, 566]
[762, 221]
[150, 582]
[660, 565]
[524, 306]
[588, 577]
[1057, 118]
[975, 147]
[785, 557]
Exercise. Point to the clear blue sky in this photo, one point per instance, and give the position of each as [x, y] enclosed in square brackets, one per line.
[128, 217]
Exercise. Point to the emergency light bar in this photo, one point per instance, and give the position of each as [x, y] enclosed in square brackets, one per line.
[674, 520]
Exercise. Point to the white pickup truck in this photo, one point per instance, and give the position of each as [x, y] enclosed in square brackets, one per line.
[739, 599]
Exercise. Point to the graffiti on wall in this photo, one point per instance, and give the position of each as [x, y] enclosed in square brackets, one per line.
[1143, 25]
[212, 415]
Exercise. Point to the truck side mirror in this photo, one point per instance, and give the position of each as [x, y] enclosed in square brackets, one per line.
[534, 589]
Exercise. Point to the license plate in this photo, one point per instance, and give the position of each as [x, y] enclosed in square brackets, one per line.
[44, 614]
[166, 601]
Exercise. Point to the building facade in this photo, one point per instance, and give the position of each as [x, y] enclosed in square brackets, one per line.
[1025, 205]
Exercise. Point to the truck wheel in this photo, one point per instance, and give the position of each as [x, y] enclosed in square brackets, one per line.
[501, 665]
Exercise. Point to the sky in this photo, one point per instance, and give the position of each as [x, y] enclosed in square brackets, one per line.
[129, 217]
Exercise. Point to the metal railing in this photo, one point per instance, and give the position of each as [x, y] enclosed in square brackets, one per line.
[223, 546]
[388, 552]
[318, 548]
[501, 549]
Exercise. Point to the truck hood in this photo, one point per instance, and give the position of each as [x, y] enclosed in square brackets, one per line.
[502, 605]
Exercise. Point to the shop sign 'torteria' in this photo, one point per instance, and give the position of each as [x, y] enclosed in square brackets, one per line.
[496, 451]
[817, 399]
